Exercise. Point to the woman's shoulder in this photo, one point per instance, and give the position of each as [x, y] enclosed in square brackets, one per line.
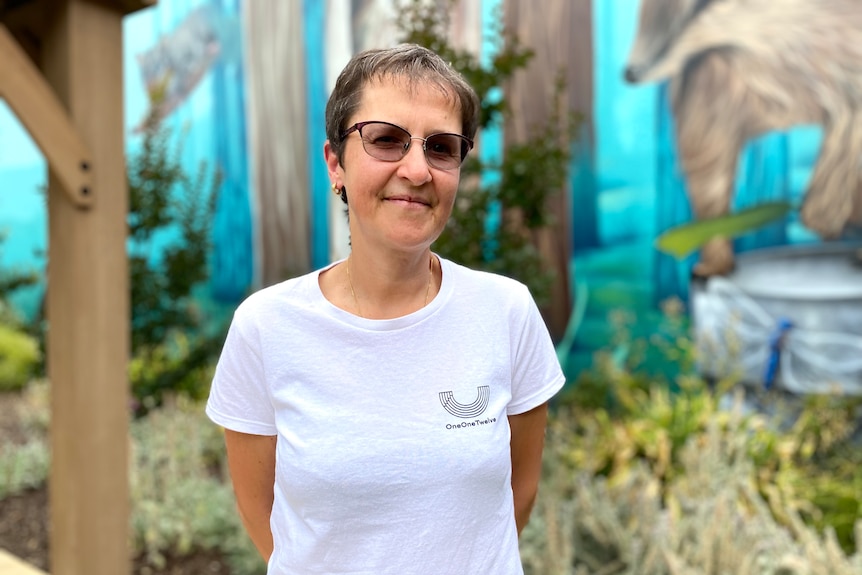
[276, 297]
[491, 285]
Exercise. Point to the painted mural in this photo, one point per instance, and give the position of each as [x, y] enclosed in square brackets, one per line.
[738, 70]
[188, 56]
[289, 77]
[696, 111]
[756, 108]
[174, 67]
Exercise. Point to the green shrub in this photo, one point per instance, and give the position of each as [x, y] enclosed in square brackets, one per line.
[23, 466]
[34, 408]
[512, 193]
[181, 365]
[12, 280]
[797, 457]
[173, 342]
[710, 518]
[181, 496]
[815, 467]
[19, 358]
[182, 499]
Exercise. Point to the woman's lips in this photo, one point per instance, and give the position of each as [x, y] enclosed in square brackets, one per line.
[408, 200]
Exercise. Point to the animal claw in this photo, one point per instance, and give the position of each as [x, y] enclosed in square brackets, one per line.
[716, 259]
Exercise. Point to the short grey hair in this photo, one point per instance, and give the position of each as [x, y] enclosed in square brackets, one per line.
[410, 62]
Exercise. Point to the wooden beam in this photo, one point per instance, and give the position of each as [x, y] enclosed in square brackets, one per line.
[42, 114]
[128, 6]
[88, 302]
[123, 6]
[11, 565]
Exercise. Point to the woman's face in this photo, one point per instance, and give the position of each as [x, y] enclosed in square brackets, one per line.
[401, 205]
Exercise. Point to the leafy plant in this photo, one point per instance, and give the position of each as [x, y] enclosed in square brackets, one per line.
[20, 352]
[23, 466]
[804, 451]
[19, 358]
[11, 280]
[500, 206]
[170, 343]
[163, 198]
[34, 408]
[645, 474]
[181, 498]
[710, 519]
[182, 365]
[815, 466]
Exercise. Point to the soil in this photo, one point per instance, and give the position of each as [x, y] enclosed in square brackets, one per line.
[24, 520]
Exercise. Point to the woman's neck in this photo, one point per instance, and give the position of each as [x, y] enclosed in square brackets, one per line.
[384, 288]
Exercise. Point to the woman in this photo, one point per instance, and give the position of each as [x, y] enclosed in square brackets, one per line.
[386, 414]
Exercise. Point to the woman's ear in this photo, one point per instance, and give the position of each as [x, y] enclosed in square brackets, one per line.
[333, 162]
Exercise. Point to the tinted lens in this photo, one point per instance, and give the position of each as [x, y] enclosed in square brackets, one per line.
[390, 143]
[445, 151]
[385, 141]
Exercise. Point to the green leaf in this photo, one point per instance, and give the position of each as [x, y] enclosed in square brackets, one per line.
[682, 240]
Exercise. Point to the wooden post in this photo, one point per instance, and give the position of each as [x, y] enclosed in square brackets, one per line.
[88, 301]
[25, 90]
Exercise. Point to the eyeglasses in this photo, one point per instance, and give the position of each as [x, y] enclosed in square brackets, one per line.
[390, 143]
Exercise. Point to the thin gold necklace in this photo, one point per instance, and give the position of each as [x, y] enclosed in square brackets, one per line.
[353, 292]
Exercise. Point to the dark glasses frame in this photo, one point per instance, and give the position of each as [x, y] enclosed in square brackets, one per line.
[466, 143]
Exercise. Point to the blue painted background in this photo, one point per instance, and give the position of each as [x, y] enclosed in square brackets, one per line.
[625, 192]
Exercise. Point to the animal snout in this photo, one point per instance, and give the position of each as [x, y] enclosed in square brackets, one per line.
[633, 74]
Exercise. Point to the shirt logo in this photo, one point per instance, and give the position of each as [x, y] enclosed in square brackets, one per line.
[466, 410]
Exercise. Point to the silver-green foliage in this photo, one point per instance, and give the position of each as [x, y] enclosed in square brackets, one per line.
[709, 519]
[23, 466]
[181, 499]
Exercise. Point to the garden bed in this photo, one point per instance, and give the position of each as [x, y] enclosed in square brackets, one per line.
[25, 515]
[638, 480]
[24, 533]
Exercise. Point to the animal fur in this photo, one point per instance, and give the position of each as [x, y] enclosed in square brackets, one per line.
[739, 68]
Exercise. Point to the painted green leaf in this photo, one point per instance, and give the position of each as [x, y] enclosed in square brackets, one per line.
[682, 240]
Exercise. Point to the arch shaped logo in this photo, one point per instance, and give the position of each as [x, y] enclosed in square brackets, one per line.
[466, 410]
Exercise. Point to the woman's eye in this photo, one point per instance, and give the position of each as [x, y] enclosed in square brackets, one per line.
[441, 149]
[387, 141]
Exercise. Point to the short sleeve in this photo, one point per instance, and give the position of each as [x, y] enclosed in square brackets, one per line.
[239, 398]
[537, 375]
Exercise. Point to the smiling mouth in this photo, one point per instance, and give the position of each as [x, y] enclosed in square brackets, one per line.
[408, 200]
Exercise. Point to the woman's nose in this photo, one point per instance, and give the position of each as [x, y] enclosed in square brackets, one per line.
[414, 166]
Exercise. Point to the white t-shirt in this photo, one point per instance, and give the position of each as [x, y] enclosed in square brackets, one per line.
[393, 439]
